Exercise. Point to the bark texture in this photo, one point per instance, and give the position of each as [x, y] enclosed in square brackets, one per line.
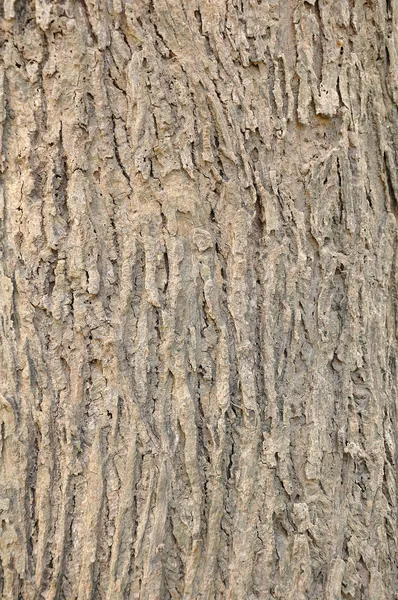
[198, 356]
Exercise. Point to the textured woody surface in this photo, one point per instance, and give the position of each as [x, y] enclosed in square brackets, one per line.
[198, 292]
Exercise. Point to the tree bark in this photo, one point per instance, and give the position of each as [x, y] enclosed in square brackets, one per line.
[198, 299]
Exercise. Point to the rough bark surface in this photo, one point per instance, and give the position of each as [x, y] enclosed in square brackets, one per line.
[198, 299]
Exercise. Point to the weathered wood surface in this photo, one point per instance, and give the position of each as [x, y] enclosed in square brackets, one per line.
[198, 293]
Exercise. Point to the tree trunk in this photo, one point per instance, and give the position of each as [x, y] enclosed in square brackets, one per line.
[198, 299]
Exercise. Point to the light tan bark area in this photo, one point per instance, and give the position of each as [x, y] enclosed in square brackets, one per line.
[198, 294]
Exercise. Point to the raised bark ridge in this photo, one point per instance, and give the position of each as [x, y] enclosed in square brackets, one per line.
[198, 299]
